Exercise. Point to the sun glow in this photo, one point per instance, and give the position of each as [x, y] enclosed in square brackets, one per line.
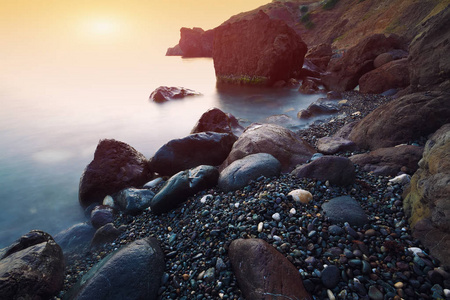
[104, 27]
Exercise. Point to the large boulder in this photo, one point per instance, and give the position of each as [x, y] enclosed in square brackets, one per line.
[32, 268]
[391, 75]
[264, 273]
[402, 120]
[165, 93]
[218, 121]
[429, 59]
[337, 170]
[75, 241]
[281, 143]
[390, 161]
[196, 42]
[345, 209]
[204, 148]
[241, 171]
[116, 165]
[133, 272]
[258, 50]
[426, 201]
[183, 185]
[344, 72]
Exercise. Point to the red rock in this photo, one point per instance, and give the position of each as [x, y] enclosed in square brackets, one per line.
[391, 75]
[218, 121]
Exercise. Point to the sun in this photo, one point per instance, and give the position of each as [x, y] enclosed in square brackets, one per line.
[103, 27]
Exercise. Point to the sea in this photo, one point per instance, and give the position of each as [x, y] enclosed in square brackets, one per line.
[51, 122]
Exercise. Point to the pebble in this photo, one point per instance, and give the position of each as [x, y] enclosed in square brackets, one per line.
[330, 277]
[276, 217]
[301, 196]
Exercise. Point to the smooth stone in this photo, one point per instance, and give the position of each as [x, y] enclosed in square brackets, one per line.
[301, 196]
[330, 277]
[335, 230]
[345, 209]
[375, 294]
[133, 201]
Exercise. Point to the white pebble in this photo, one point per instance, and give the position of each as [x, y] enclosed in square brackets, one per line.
[276, 238]
[415, 250]
[330, 295]
[301, 196]
[447, 293]
[205, 198]
[401, 179]
[236, 205]
[260, 226]
[292, 212]
[109, 201]
[276, 217]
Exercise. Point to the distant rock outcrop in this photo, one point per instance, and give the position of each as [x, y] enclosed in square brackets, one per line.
[258, 51]
[196, 42]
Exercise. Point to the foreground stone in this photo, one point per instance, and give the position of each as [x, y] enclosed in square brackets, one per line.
[427, 202]
[218, 121]
[75, 241]
[116, 166]
[32, 268]
[204, 148]
[281, 143]
[164, 93]
[345, 209]
[133, 201]
[402, 120]
[239, 173]
[133, 272]
[258, 51]
[264, 273]
[332, 145]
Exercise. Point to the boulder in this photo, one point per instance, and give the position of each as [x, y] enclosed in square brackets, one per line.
[239, 173]
[133, 201]
[426, 201]
[75, 240]
[402, 120]
[382, 59]
[116, 165]
[132, 272]
[345, 209]
[390, 161]
[344, 72]
[217, 121]
[309, 69]
[332, 145]
[174, 51]
[104, 235]
[281, 143]
[164, 93]
[281, 120]
[308, 87]
[320, 55]
[264, 273]
[429, 59]
[196, 42]
[32, 268]
[204, 148]
[344, 131]
[337, 170]
[319, 107]
[391, 75]
[258, 50]
[183, 185]
[101, 215]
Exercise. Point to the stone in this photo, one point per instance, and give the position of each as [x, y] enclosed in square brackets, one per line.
[337, 170]
[345, 209]
[262, 271]
[390, 161]
[300, 195]
[318, 108]
[32, 268]
[183, 185]
[258, 50]
[283, 144]
[382, 59]
[132, 272]
[426, 201]
[174, 51]
[392, 75]
[308, 87]
[402, 120]
[75, 240]
[343, 73]
[345, 130]
[104, 235]
[218, 121]
[332, 145]
[330, 277]
[165, 93]
[239, 173]
[204, 148]
[320, 55]
[101, 215]
[196, 42]
[375, 293]
[115, 166]
[133, 201]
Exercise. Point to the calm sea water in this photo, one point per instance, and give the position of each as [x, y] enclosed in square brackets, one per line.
[51, 122]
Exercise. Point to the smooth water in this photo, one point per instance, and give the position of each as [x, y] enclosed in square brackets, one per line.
[51, 122]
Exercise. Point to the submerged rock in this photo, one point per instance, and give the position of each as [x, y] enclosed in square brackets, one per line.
[164, 93]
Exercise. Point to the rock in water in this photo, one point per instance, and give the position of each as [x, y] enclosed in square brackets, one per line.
[196, 42]
[164, 93]
[116, 166]
[218, 121]
[133, 272]
[264, 273]
[259, 51]
[32, 268]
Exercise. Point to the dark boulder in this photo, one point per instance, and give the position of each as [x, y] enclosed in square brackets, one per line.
[239, 173]
[196, 42]
[116, 165]
[281, 143]
[402, 120]
[204, 148]
[343, 73]
[337, 170]
[133, 272]
[101, 215]
[319, 107]
[32, 268]
[104, 235]
[390, 161]
[345, 209]
[183, 185]
[391, 75]
[258, 50]
[217, 121]
[133, 201]
[164, 93]
[75, 240]
[332, 145]
[263, 272]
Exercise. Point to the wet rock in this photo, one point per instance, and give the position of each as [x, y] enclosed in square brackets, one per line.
[345, 209]
[32, 268]
[165, 93]
[392, 75]
[133, 201]
[318, 108]
[217, 121]
[337, 170]
[332, 145]
[116, 166]
[308, 87]
[101, 215]
[241, 171]
[262, 271]
[75, 240]
[330, 277]
[104, 235]
[204, 148]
